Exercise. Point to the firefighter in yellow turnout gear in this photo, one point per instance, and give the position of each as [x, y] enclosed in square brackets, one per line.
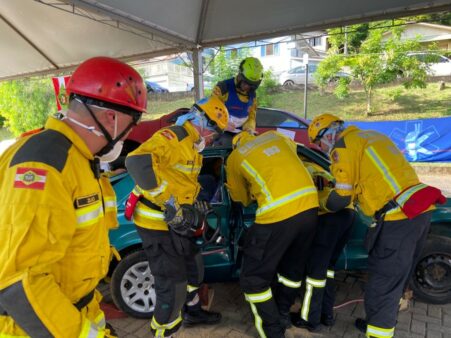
[371, 172]
[56, 208]
[165, 169]
[332, 234]
[267, 170]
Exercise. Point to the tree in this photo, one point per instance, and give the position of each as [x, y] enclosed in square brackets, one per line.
[377, 62]
[26, 104]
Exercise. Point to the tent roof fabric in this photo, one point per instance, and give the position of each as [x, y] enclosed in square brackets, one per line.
[54, 36]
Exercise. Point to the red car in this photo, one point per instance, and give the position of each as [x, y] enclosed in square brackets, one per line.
[267, 119]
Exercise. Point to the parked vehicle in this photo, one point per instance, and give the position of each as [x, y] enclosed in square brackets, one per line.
[436, 64]
[132, 283]
[154, 87]
[267, 119]
[296, 76]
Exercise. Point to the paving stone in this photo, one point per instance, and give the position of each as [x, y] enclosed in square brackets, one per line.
[434, 334]
[447, 320]
[426, 319]
[434, 311]
[418, 327]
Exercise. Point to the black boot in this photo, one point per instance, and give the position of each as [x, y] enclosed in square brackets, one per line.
[194, 315]
[327, 320]
[361, 324]
[297, 321]
[285, 320]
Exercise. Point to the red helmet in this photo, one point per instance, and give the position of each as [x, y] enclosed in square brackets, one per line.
[109, 80]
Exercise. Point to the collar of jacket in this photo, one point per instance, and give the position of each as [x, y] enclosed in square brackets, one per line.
[77, 141]
[348, 130]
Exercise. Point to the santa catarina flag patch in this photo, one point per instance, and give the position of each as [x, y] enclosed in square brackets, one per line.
[30, 178]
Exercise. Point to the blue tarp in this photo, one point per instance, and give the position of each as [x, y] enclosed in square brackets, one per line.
[425, 140]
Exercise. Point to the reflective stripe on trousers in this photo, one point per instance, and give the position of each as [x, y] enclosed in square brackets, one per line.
[310, 284]
[161, 328]
[288, 283]
[379, 332]
[253, 298]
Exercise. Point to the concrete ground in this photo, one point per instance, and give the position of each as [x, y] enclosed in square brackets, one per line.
[420, 320]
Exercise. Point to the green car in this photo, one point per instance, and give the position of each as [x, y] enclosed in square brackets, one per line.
[132, 283]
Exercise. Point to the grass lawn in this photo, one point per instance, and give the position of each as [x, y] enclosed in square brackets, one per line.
[389, 103]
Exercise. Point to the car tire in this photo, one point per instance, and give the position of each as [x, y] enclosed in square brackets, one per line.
[431, 280]
[132, 286]
[288, 83]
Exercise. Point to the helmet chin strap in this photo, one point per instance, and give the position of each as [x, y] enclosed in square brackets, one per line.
[111, 140]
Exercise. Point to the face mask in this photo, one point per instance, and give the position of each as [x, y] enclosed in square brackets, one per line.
[113, 154]
[329, 144]
[200, 145]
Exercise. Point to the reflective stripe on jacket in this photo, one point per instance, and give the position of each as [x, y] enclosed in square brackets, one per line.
[54, 233]
[165, 165]
[267, 169]
[368, 166]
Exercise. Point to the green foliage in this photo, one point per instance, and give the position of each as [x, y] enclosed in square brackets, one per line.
[26, 104]
[376, 62]
[341, 91]
[225, 64]
[395, 93]
[352, 35]
[266, 88]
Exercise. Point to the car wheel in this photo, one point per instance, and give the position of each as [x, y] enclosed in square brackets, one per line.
[288, 83]
[431, 281]
[132, 286]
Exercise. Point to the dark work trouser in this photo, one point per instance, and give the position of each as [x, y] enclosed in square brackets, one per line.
[332, 234]
[174, 272]
[275, 251]
[390, 262]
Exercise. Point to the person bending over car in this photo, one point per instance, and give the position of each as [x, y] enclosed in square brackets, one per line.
[266, 169]
[165, 169]
[371, 171]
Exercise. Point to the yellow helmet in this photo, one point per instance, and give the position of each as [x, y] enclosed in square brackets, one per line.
[241, 138]
[320, 124]
[215, 110]
[252, 70]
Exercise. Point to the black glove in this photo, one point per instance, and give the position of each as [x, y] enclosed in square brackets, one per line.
[183, 219]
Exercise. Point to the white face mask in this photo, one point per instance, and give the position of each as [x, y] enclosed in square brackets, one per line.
[113, 154]
[200, 145]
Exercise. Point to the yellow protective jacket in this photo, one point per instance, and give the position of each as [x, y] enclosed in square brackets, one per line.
[54, 221]
[267, 169]
[165, 165]
[369, 167]
[220, 91]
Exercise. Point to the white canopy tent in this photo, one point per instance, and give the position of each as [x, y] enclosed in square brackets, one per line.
[53, 36]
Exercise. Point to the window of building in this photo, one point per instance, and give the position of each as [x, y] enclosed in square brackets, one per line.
[271, 49]
[315, 41]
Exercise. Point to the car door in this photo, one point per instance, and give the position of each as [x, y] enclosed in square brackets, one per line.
[272, 119]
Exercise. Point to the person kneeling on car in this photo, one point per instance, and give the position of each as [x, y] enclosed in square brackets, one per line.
[373, 173]
[266, 169]
[165, 169]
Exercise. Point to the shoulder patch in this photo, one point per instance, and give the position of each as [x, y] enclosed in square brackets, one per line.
[168, 134]
[30, 178]
[49, 147]
[179, 131]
